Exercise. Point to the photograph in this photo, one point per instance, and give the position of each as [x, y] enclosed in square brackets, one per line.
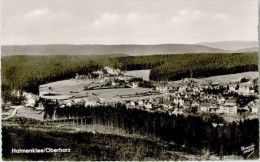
[129, 80]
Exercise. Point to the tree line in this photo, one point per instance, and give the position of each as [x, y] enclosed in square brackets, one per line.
[192, 131]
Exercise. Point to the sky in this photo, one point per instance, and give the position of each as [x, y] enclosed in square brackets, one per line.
[127, 21]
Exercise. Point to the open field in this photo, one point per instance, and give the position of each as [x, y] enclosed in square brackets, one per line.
[63, 89]
[230, 77]
[27, 113]
[225, 78]
[139, 74]
[112, 94]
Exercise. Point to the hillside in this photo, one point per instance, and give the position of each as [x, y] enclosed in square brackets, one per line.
[8, 50]
[231, 45]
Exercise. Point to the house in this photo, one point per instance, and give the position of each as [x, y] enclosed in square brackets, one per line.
[232, 87]
[204, 107]
[30, 99]
[229, 107]
[111, 71]
[254, 106]
[176, 112]
[251, 90]
[244, 89]
[255, 109]
[113, 83]
[134, 85]
[213, 108]
[180, 102]
[162, 89]
[30, 102]
[195, 104]
[182, 88]
[175, 101]
[140, 103]
[186, 97]
[185, 80]
[221, 100]
[148, 105]
[186, 105]
[195, 89]
[132, 104]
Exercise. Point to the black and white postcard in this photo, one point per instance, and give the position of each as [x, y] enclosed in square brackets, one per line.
[129, 80]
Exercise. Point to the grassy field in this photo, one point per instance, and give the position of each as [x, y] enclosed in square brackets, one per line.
[65, 87]
[230, 77]
[225, 78]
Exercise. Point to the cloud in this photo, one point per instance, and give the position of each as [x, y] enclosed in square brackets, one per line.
[187, 16]
[35, 14]
[116, 22]
[107, 19]
[130, 18]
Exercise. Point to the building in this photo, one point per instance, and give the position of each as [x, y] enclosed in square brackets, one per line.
[204, 107]
[229, 107]
[162, 89]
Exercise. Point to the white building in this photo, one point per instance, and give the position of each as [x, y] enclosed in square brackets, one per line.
[134, 85]
[204, 107]
[255, 109]
[228, 108]
[140, 103]
[162, 89]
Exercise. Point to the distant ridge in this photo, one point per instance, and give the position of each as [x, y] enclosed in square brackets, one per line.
[131, 49]
[63, 49]
[231, 45]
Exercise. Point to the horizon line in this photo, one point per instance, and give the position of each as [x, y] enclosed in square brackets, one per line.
[198, 43]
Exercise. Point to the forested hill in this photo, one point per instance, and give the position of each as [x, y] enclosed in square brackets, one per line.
[63, 49]
[235, 46]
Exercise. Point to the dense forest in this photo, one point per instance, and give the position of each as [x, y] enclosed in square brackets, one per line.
[175, 67]
[28, 72]
[193, 132]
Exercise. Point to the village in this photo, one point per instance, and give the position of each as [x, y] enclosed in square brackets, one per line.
[111, 86]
